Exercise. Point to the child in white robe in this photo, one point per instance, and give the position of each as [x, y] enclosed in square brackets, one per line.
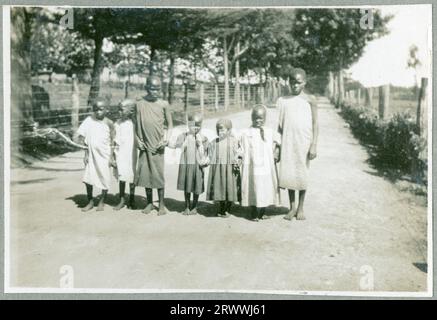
[259, 180]
[125, 151]
[96, 132]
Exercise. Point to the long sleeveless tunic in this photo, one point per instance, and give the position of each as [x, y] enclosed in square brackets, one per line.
[149, 128]
[295, 126]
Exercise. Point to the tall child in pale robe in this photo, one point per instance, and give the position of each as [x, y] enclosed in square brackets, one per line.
[259, 179]
[152, 114]
[223, 153]
[125, 152]
[298, 126]
[192, 162]
[97, 132]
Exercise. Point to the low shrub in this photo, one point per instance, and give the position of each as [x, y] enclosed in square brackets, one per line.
[395, 143]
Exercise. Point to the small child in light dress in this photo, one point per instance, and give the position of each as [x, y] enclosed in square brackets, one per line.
[96, 133]
[223, 153]
[192, 162]
[259, 178]
[125, 152]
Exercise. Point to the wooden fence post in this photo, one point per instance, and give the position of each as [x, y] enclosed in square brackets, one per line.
[75, 103]
[422, 108]
[368, 97]
[261, 93]
[384, 99]
[359, 96]
[242, 97]
[202, 97]
[185, 97]
[216, 89]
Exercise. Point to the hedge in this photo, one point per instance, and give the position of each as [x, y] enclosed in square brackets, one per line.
[395, 143]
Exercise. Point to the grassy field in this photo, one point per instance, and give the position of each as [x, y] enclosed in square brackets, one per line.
[398, 106]
[401, 100]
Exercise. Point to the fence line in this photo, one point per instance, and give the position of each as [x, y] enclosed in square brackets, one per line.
[70, 99]
[366, 97]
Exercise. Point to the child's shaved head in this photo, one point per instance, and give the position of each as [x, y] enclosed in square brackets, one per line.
[99, 103]
[127, 103]
[299, 71]
[195, 117]
[259, 110]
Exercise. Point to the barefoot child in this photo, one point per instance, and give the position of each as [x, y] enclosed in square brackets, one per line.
[192, 161]
[223, 153]
[298, 126]
[125, 152]
[96, 132]
[152, 114]
[259, 181]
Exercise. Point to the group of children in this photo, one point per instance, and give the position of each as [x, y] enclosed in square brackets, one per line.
[249, 168]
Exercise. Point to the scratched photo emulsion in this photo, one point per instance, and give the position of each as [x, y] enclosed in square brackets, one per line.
[267, 150]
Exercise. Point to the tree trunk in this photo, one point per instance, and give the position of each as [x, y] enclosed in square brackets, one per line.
[75, 103]
[340, 96]
[21, 80]
[226, 65]
[202, 98]
[185, 98]
[237, 77]
[97, 67]
[171, 83]
[331, 85]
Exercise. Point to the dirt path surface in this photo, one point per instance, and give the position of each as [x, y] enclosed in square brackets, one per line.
[355, 218]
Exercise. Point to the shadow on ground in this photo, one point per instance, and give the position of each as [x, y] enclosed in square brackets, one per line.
[421, 266]
[54, 169]
[112, 200]
[210, 210]
[30, 181]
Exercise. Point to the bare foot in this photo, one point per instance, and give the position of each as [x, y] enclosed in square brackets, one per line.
[290, 215]
[101, 206]
[120, 205]
[162, 211]
[131, 204]
[300, 215]
[148, 209]
[193, 212]
[186, 212]
[224, 215]
[88, 207]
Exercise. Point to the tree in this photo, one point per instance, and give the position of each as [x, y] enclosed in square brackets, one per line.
[54, 49]
[165, 29]
[333, 39]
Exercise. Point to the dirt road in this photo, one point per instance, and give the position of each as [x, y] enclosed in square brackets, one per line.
[358, 225]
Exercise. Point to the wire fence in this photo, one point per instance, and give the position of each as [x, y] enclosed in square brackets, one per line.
[55, 104]
[63, 105]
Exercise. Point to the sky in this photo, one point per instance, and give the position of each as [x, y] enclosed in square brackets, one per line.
[385, 59]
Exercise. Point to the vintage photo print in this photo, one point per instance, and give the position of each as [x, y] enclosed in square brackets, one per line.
[272, 150]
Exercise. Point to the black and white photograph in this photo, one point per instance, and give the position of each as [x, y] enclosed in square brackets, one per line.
[267, 150]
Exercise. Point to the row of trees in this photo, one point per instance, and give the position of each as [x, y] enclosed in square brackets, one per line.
[229, 43]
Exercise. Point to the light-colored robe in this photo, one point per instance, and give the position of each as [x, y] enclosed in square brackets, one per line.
[296, 128]
[259, 181]
[126, 154]
[97, 134]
